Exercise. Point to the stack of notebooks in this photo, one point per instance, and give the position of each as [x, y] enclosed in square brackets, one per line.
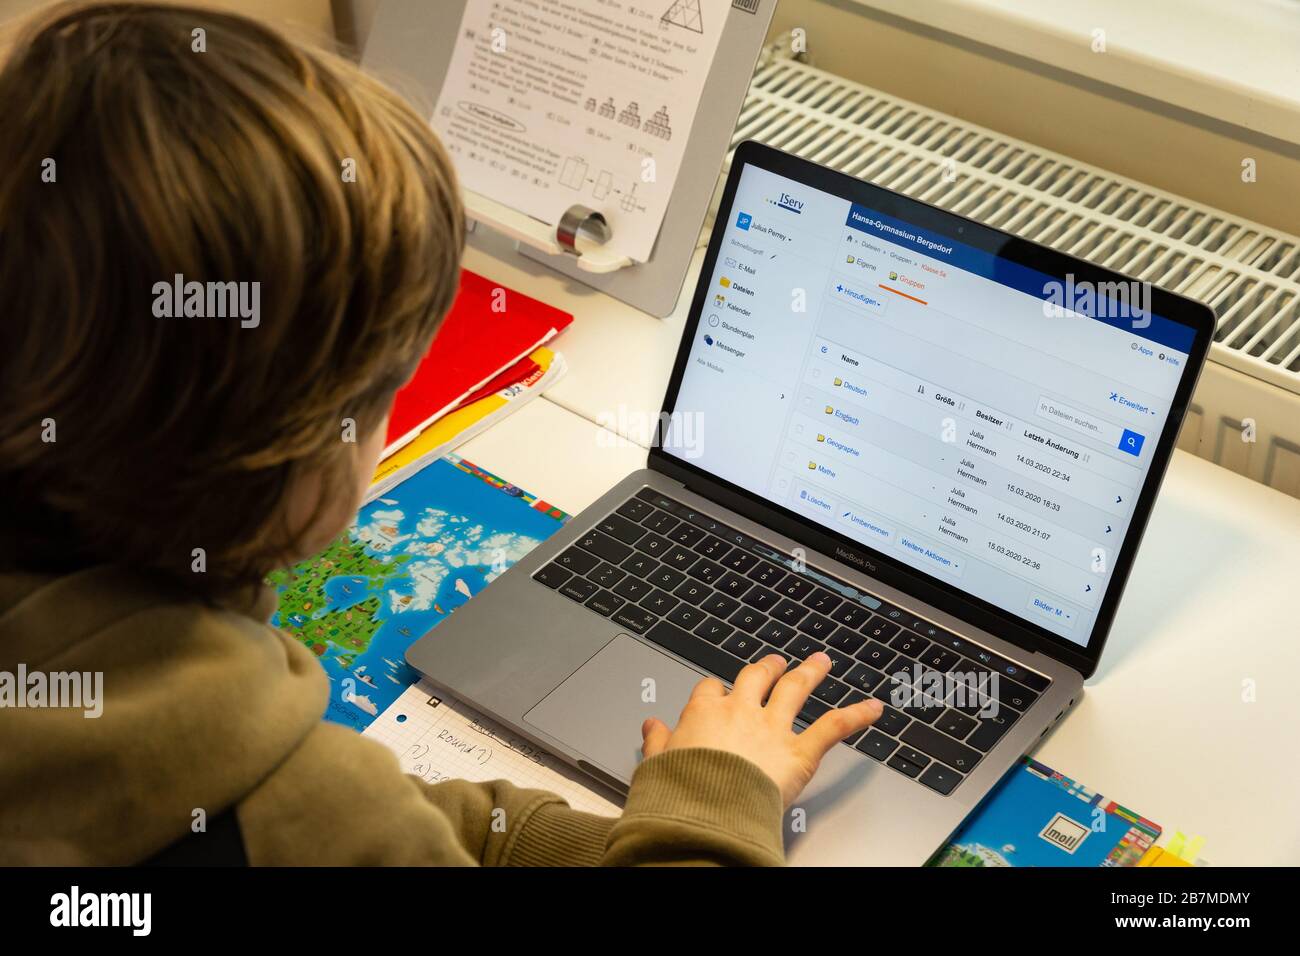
[488, 359]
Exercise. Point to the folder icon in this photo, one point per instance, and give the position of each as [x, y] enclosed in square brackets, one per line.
[821, 437]
[812, 465]
[839, 381]
[829, 410]
[724, 282]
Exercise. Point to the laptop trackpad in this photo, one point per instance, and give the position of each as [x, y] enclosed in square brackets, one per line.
[599, 709]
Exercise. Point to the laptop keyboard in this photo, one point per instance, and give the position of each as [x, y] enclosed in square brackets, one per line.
[720, 599]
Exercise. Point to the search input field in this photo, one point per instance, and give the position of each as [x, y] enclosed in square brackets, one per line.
[1059, 413]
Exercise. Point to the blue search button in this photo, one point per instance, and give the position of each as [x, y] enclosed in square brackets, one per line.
[1131, 442]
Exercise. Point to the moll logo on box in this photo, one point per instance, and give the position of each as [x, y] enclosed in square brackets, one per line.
[1065, 833]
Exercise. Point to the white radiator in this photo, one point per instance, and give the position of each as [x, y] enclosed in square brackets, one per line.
[1246, 410]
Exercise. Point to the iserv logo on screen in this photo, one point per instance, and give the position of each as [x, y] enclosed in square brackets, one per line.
[789, 202]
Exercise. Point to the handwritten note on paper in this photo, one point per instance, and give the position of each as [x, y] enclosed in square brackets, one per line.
[548, 103]
[440, 739]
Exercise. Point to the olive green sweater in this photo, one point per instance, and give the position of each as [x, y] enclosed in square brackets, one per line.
[208, 709]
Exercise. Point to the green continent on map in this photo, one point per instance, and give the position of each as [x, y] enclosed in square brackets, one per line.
[303, 598]
[349, 630]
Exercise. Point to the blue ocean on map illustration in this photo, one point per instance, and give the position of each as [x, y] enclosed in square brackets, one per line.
[414, 555]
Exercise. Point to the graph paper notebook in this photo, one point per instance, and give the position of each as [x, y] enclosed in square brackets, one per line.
[437, 738]
[1038, 817]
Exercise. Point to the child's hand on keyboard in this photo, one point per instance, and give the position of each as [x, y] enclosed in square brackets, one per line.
[756, 721]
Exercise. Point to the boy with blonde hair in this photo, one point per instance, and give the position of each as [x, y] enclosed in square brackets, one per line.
[160, 453]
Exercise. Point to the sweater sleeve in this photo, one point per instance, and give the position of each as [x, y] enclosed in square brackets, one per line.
[689, 807]
[340, 799]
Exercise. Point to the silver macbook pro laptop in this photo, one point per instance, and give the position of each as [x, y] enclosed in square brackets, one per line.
[922, 445]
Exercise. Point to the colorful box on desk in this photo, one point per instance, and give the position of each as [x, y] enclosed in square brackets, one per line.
[1038, 817]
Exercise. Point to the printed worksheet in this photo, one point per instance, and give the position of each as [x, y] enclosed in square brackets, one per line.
[437, 738]
[551, 103]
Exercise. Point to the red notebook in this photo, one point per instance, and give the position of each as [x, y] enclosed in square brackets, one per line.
[511, 376]
[474, 346]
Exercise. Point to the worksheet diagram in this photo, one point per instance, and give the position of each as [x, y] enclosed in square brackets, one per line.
[685, 14]
[552, 103]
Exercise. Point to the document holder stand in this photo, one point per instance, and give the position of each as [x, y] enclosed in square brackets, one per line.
[410, 45]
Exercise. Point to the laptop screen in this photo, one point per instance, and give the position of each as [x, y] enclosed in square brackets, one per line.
[977, 420]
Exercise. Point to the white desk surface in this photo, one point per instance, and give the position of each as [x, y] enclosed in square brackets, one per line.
[1165, 727]
[619, 357]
